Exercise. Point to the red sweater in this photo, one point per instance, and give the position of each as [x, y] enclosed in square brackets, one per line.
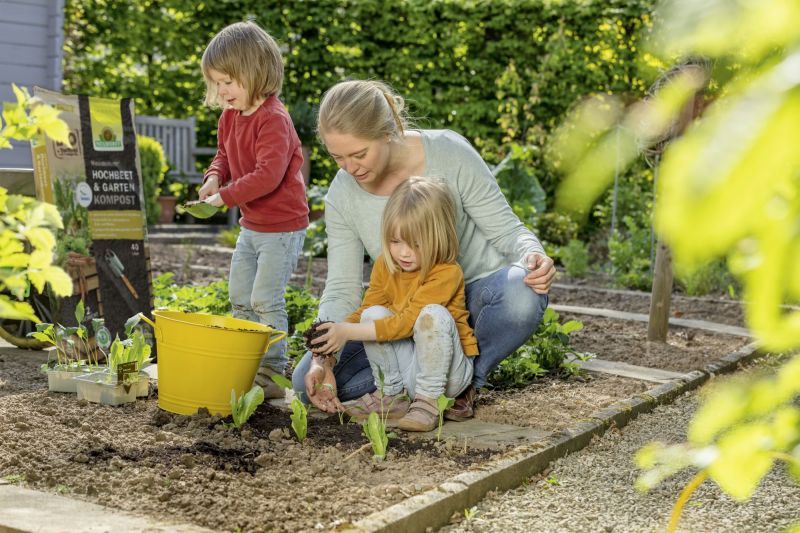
[258, 163]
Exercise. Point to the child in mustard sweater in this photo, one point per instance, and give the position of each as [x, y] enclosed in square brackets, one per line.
[413, 318]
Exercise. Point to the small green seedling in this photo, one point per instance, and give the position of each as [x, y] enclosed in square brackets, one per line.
[375, 431]
[243, 408]
[443, 403]
[470, 513]
[299, 414]
[375, 425]
[552, 480]
[299, 418]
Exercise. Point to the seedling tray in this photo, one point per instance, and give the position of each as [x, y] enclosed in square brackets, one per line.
[63, 380]
[102, 387]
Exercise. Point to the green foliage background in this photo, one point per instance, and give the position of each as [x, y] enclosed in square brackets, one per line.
[154, 168]
[498, 72]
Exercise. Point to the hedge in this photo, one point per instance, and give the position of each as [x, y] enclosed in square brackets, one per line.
[497, 72]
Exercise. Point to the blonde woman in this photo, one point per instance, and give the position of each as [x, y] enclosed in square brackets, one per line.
[413, 319]
[365, 128]
[256, 167]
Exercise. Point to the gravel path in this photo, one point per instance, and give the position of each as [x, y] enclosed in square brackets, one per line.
[592, 490]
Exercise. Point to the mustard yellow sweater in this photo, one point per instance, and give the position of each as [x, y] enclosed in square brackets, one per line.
[406, 293]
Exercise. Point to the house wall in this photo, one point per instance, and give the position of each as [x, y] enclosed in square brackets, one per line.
[31, 50]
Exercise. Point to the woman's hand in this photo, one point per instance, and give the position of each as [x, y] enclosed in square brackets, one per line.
[321, 386]
[541, 272]
[209, 188]
[335, 336]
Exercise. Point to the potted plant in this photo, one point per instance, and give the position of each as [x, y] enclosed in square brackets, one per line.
[76, 353]
[122, 381]
[158, 201]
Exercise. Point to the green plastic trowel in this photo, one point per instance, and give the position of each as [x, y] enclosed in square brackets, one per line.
[198, 209]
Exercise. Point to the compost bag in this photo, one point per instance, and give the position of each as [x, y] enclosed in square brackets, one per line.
[96, 185]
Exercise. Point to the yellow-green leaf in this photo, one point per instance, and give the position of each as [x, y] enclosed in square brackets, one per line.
[40, 238]
[744, 458]
[60, 282]
[721, 409]
[46, 119]
[16, 310]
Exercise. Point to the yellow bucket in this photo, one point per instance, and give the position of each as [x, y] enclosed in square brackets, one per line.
[202, 357]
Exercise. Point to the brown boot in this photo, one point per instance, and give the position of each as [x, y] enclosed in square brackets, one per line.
[423, 415]
[464, 407]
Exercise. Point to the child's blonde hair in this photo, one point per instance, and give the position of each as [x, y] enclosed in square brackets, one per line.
[249, 55]
[366, 109]
[420, 211]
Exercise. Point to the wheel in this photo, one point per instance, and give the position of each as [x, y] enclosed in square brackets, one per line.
[16, 331]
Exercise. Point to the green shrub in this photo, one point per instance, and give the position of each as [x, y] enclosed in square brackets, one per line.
[301, 306]
[575, 258]
[712, 277]
[543, 353]
[499, 72]
[629, 253]
[154, 169]
[229, 236]
[556, 228]
[211, 298]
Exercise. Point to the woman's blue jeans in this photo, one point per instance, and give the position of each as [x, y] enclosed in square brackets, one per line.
[503, 311]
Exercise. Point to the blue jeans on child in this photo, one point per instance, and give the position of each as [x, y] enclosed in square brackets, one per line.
[504, 313]
[260, 269]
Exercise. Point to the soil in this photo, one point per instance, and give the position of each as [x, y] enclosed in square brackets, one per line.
[191, 469]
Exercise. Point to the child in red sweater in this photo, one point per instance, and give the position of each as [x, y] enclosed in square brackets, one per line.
[413, 319]
[257, 168]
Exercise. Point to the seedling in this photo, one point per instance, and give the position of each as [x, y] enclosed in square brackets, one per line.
[134, 350]
[552, 481]
[443, 403]
[299, 414]
[375, 425]
[63, 338]
[470, 513]
[375, 431]
[244, 407]
[299, 418]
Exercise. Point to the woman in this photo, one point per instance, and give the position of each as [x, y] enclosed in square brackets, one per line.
[364, 127]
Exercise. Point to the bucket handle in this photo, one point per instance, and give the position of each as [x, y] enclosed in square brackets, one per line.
[156, 329]
[279, 335]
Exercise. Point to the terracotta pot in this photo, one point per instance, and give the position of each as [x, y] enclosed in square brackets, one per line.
[167, 204]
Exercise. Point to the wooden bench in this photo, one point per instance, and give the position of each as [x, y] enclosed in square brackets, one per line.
[178, 137]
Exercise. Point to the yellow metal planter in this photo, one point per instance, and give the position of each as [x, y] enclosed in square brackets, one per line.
[202, 357]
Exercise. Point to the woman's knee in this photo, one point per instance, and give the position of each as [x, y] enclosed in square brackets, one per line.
[376, 312]
[520, 301]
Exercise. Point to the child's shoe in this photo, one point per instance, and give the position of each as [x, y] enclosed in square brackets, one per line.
[391, 406]
[264, 380]
[423, 415]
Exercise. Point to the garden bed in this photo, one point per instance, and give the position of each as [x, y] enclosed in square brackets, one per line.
[141, 459]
